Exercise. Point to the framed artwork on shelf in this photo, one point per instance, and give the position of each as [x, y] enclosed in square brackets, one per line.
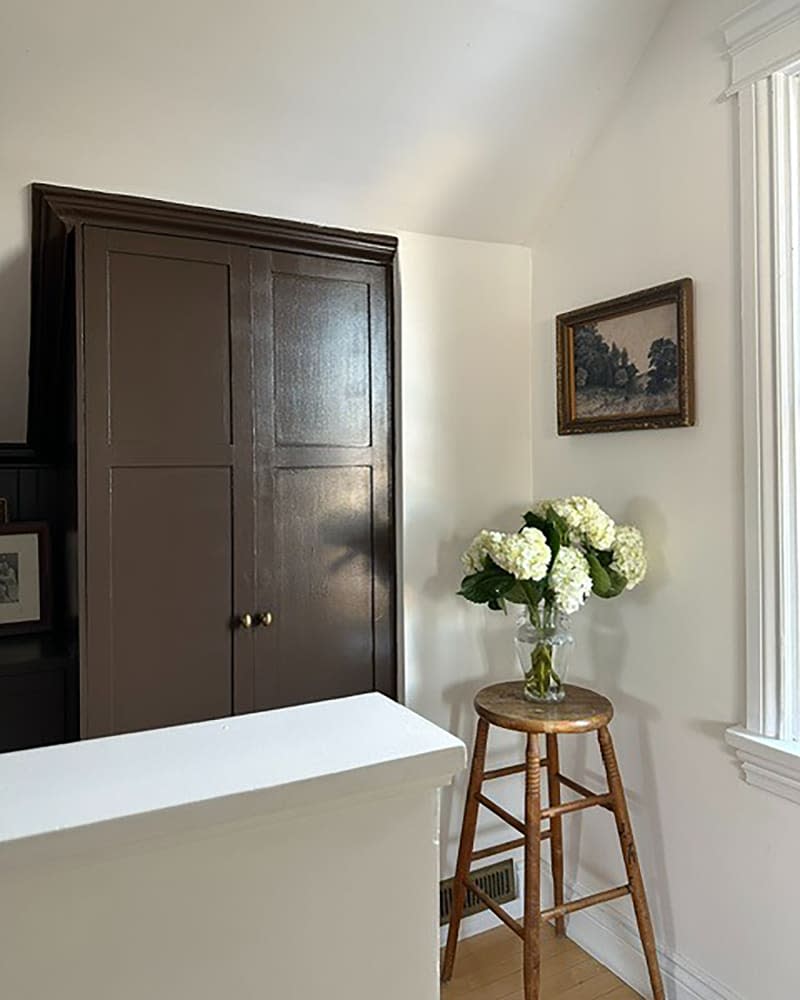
[627, 363]
[25, 595]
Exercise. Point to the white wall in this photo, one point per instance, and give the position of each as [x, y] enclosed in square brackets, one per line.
[466, 464]
[656, 201]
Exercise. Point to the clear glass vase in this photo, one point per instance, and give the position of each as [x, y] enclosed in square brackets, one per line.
[544, 647]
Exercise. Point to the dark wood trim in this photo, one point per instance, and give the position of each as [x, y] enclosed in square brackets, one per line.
[73, 206]
[18, 454]
[51, 358]
[387, 673]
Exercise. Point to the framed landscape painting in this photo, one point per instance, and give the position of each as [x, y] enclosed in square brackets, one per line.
[627, 364]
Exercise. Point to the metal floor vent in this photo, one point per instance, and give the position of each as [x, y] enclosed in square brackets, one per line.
[498, 881]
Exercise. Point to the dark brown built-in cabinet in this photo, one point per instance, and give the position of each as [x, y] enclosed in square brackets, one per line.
[234, 516]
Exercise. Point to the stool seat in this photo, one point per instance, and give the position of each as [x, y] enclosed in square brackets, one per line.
[581, 711]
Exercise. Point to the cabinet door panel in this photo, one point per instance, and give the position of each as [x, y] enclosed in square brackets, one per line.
[322, 362]
[325, 559]
[323, 583]
[171, 569]
[168, 481]
[168, 331]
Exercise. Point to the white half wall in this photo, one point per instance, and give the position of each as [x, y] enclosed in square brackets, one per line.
[337, 902]
[290, 854]
[655, 201]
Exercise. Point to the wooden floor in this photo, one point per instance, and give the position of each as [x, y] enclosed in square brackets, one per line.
[488, 967]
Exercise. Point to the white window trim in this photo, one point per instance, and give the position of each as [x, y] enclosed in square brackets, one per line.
[764, 46]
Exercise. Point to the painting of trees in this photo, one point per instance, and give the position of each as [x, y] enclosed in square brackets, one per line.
[627, 363]
[599, 364]
[606, 379]
[663, 372]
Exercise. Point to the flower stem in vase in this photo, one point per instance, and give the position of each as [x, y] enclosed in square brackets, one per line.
[540, 677]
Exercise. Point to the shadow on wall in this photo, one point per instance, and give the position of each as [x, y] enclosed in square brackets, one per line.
[607, 648]
[493, 662]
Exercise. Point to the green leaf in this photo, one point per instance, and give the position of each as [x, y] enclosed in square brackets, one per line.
[601, 582]
[489, 586]
[535, 591]
[517, 594]
[560, 523]
[618, 583]
[527, 592]
[606, 582]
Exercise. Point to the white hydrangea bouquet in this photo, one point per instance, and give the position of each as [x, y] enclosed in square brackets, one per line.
[566, 550]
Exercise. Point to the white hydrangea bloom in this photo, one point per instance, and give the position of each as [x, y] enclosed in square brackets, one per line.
[586, 520]
[630, 558]
[474, 558]
[570, 579]
[525, 555]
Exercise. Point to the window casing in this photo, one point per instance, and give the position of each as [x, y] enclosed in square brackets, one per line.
[764, 46]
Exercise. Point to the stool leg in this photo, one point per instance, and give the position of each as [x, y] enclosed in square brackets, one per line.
[556, 834]
[631, 862]
[533, 828]
[465, 846]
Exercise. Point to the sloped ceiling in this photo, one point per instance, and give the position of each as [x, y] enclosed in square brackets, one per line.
[454, 117]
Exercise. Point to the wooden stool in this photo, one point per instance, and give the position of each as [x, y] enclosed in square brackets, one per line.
[582, 711]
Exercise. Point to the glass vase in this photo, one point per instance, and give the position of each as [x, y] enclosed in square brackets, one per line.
[544, 648]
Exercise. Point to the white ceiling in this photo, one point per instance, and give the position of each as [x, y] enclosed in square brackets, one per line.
[457, 117]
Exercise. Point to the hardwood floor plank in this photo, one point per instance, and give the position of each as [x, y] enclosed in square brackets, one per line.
[489, 967]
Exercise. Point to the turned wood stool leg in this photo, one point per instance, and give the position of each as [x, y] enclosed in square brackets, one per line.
[556, 833]
[533, 828]
[465, 846]
[631, 861]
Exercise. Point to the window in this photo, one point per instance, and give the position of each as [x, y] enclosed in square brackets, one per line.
[764, 46]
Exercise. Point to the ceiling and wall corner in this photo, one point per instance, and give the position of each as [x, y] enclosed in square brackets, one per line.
[459, 118]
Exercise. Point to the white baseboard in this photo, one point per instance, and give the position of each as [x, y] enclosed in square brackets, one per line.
[612, 939]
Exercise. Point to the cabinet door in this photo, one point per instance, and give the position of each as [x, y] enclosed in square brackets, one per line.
[325, 557]
[168, 481]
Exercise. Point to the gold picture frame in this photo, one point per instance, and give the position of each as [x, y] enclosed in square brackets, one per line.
[627, 363]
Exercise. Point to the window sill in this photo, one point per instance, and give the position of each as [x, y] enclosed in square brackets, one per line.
[771, 764]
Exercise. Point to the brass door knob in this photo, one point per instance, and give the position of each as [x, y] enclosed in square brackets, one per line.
[246, 621]
[265, 619]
